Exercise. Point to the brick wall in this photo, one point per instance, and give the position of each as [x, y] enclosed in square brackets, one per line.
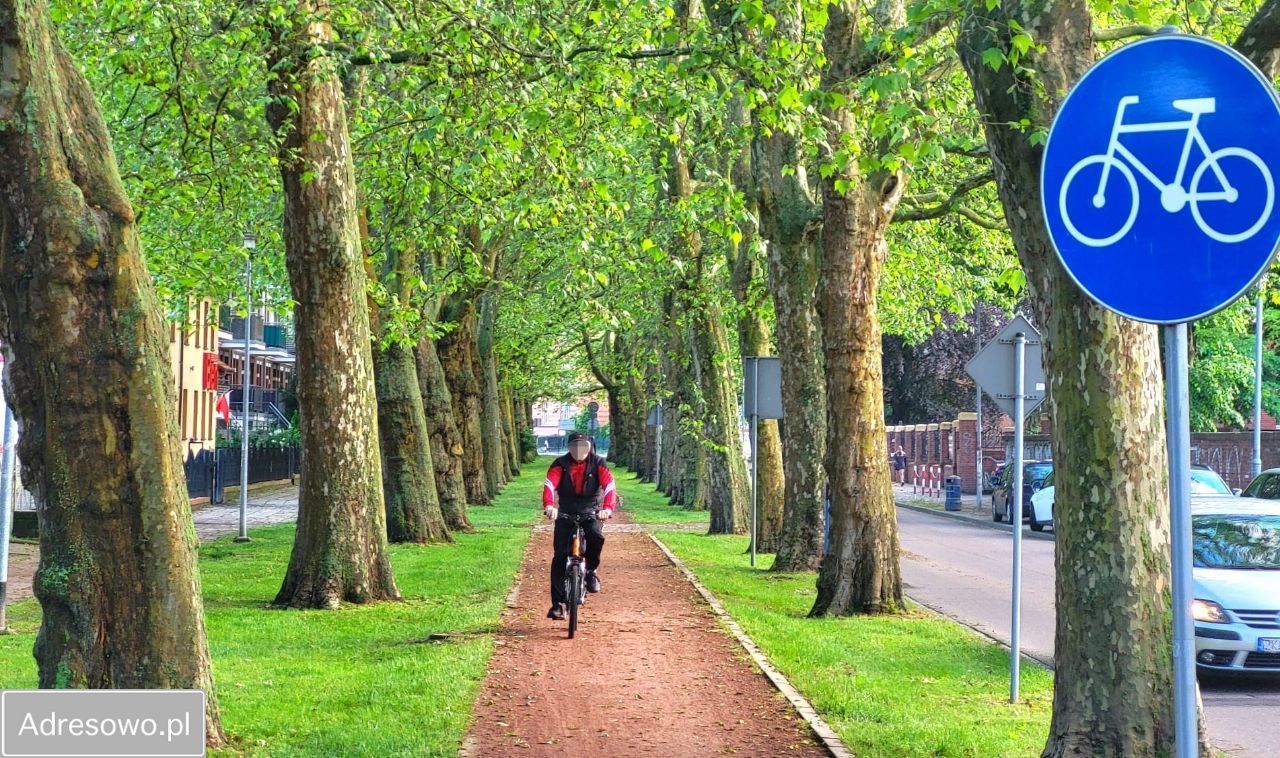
[1231, 454]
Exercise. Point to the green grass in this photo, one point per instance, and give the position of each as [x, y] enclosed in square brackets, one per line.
[362, 680]
[914, 685]
[648, 506]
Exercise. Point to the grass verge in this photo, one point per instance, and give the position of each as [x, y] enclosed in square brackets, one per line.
[648, 506]
[913, 685]
[386, 679]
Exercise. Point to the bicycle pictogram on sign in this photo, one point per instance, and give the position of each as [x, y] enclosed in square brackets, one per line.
[1173, 196]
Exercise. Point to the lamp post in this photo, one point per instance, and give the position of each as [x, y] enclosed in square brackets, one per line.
[250, 242]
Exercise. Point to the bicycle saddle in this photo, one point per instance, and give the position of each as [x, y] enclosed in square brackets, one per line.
[1196, 105]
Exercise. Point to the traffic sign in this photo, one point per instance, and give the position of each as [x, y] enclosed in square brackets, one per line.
[1159, 178]
[993, 368]
[765, 402]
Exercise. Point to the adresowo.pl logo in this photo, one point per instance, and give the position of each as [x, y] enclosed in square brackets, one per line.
[101, 723]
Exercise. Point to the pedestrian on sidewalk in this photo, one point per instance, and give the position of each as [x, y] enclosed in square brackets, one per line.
[577, 483]
[900, 465]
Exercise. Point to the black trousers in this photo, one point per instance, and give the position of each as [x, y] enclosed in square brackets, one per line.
[594, 531]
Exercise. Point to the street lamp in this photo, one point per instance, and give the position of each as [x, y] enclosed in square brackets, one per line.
[250, 242]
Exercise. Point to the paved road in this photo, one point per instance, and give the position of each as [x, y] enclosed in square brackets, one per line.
[963, 570]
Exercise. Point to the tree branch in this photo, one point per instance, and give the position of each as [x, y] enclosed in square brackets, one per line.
[596, 369]
[872, 58]
[986, 222]
[410, 57]
[943, 205]
[1124, 32]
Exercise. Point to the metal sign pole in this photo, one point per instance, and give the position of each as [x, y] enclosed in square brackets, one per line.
[1257, 386]
[977, 388]
[6, 506]
[1186, 739]
[1015, 510]
[657, 453]
[755, 453]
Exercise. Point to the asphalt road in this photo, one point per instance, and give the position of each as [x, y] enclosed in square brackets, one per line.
[964, 570]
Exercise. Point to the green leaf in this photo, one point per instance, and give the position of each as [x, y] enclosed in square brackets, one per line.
[993, 57]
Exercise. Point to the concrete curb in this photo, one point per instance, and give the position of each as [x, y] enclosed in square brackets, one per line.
[988, 524]
[825, 734]
[1035, 660]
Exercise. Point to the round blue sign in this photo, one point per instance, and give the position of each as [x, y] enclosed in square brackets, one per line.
[1159, 179]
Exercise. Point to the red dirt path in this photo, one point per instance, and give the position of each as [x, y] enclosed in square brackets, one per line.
[650, 672]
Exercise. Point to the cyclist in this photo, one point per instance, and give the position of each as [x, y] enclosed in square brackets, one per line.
[577, 483]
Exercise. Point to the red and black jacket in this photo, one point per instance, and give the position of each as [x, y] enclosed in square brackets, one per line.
[580, 486]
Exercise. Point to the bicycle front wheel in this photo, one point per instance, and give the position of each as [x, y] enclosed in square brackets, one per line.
[574, 582]
[1240, 176]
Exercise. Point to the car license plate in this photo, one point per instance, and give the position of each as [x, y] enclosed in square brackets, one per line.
[1269, 645]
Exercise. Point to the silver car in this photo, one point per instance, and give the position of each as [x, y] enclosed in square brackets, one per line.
[1236, 550]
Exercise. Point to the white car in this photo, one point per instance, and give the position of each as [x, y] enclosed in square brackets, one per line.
[1236, 577]
[1204, 481]
[1236, 550]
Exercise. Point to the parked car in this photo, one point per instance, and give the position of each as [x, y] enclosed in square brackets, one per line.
[1042, 506]
[1265, 485]
[1033, 476]
[1236, 606]
[1204, 481]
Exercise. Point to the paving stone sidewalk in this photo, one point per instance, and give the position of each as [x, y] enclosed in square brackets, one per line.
[270, 504]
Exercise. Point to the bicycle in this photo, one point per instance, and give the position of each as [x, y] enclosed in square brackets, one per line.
[575, 575]
[1173, 197]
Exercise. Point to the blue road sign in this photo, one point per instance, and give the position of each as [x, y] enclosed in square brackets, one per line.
[1159, 178]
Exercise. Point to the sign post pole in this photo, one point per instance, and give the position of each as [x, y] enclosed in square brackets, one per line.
[1184, 643]
[755, 455]
[657, 452]
[977, 427]
[6, 505]
[1257, 386]
[1015, 510]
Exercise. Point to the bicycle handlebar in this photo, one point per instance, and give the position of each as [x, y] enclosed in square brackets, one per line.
[579, 517]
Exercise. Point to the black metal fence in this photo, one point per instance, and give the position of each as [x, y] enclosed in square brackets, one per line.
[209, 471]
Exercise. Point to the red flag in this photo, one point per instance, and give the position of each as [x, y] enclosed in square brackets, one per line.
[223, 407]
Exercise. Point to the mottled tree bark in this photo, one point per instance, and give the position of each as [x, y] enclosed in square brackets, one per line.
[409, 481]
[860, 572]
[495, 474]
[682, 453]
[457, 355]
[789, 222]
[511, 433]
[755, 338]
[722, 484]
[446, 439]
[724, 479]
[1112, 555]
[408, 473]
[88, 378]
[340, 547]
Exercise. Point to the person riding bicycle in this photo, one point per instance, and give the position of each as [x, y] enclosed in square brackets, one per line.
[577, 483]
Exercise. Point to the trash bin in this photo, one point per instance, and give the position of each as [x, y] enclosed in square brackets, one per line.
[953, 493]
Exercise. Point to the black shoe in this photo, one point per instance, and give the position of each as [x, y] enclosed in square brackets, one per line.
[593, 582]
[556, 613]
